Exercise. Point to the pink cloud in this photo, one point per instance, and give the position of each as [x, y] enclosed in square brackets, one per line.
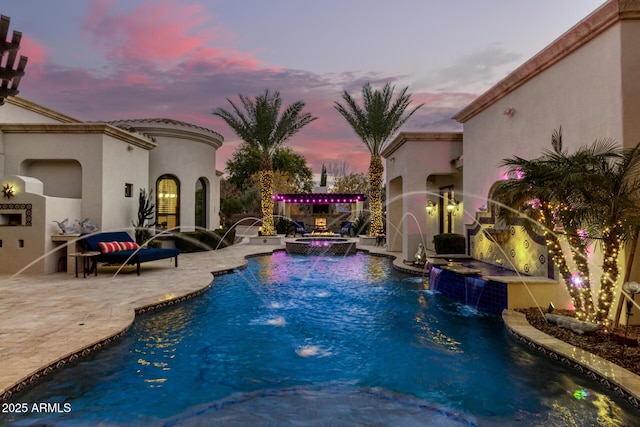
[162, 33]
[37, 54]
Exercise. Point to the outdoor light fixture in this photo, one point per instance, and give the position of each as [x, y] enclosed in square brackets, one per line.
[452, 206]
[430, 207]
[8, 191]
[10, 76]
[631, 288]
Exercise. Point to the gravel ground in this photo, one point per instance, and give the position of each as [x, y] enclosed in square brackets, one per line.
[601, 343]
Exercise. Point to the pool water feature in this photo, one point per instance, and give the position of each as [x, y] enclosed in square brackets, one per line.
[472, 282]
[321, 246]
[321, 340]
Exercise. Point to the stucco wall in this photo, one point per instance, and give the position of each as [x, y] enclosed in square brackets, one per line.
[593, 93]
[121, 164]
[22, 111]
[410, 159]
[581, 93]
[19, 110]
[630, 60]
[23, 148]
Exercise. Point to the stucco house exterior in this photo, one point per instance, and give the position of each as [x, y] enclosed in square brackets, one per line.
[586, 82]
[423, 167]
[53, 167]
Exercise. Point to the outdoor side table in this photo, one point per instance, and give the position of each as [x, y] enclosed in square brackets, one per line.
[88, 261]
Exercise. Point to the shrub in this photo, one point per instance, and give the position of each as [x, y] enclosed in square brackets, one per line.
[283, 226]
[450, 243]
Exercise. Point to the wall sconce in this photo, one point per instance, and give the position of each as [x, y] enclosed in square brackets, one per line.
[430, 207]
[631, 288]
[8, 191]
[452, 206]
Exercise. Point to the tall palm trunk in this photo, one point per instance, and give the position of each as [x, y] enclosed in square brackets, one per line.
[555, 251]
[611, 249]
[376, 172]
[585, 296]
[266, 186]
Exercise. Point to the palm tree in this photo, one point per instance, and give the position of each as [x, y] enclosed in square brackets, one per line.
[545, 191]
[260, 124]
[592, 194]
[375, 122]
[612, 189]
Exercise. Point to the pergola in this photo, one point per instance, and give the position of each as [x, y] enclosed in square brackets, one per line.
[10, 75]
[320, 220]
[320, 198]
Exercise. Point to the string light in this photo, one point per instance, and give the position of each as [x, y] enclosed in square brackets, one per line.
[266, 183]
[376, 172]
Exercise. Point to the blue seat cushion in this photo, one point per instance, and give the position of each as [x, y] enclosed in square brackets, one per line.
[142, 255]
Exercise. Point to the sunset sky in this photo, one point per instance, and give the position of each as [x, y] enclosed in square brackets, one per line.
[124, 59]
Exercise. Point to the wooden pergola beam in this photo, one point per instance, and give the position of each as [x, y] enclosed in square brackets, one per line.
[10, 75]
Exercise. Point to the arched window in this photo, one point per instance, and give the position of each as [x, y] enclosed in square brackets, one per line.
[168, 202]
[201, 204]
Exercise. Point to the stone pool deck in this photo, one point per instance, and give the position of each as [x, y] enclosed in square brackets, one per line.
[51, 320]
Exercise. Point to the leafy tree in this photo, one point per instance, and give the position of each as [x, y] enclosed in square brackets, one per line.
[283, 182]
[228, 190]
[251, 200]
[245, 162]
[295, 166]
[259, 123]
[352, 183]
[375, 123]
[339, 169]
[228, 207]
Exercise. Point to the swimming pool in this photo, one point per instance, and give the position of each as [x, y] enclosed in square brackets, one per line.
[321, 340]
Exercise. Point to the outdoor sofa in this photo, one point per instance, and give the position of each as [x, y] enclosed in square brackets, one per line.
[117, 247]
[299, 228]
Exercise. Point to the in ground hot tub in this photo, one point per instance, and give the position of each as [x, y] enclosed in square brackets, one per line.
[322, 246]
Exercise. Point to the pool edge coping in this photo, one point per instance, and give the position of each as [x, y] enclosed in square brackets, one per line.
[520, 329]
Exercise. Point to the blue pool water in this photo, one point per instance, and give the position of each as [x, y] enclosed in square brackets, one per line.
[321, 340]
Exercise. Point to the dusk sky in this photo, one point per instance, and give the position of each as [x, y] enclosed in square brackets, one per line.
[100, 60]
